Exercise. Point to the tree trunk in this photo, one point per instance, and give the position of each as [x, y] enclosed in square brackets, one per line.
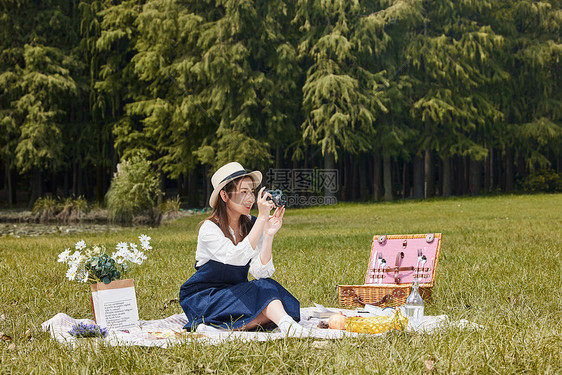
[208, 186]
[85, 186]
[405, 179]
[376, 176]
[14, 184]
[7, 181]
[180, 185]
[3, 175]
[278, 157]
[521, 167]
[459, 175]
[509, 181]
[464, 177]
[362, 179]
[54, 184]
[446, 176]
[162, 187]
[352, 178]
[66, 184]
[429, 173]
[74, 179]
[369, 172]
[486, 167]
[192, 189]
[346, 177]
[348, 166]
[418, 177]
[490, 184]
[475, 177]
[439, 184]
[10, 185]
[36, 186]
[329, 165]
[387, 176]
[99, 184]
[106, 180]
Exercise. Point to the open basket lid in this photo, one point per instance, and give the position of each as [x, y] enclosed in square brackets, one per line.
[398, 259]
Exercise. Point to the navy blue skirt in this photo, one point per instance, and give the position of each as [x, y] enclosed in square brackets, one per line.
[220, 294]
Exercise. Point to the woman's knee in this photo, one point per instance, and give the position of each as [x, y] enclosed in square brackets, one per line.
[275, 303]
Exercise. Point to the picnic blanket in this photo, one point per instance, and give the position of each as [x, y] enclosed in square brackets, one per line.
[169, 331]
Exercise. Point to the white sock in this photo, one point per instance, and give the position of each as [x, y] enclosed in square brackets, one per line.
[291, 328]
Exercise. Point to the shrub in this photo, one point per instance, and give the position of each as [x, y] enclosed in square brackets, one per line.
[170, 208]
[45, 209]
[133, 191]
[545, 180]
[71, 209]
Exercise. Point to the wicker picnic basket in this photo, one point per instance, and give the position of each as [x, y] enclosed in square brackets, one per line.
[388, 283]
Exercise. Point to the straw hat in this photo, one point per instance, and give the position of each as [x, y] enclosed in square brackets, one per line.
[227, 173]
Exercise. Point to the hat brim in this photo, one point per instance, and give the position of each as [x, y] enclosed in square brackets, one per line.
[256, 177]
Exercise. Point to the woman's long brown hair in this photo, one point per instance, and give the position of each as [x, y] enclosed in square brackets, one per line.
[220, 215]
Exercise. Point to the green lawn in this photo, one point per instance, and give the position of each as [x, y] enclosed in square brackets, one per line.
[500, 266]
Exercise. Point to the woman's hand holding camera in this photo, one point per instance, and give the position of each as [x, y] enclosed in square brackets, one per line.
[269, 224]
[264, 205]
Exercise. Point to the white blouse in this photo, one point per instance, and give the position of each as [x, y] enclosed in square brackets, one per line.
[212, 244]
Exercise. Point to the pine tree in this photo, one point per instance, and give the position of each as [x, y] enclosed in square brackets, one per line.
[247, 67]
[44, 86]
[348, 53]
[533, 98]
[116, 85]
[94, 143]
[10, 57]
[453, 60]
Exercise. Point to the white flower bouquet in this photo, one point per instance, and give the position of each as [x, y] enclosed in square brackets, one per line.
[95, 265]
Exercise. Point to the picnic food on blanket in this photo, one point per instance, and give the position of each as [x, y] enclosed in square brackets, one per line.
[172, 334]
[165, 334]
[375, 324]
[337, 321]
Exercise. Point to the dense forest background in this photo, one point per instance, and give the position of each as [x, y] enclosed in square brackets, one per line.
[405, 98]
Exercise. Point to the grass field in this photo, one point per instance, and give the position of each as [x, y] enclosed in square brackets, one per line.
[500, 266]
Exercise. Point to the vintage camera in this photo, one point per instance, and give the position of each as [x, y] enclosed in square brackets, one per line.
[277, 197]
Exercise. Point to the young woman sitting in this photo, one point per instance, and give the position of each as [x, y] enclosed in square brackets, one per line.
[231, 243]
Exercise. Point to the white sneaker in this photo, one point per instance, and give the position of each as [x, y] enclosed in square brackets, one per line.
[296, 330]
[291, 328]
